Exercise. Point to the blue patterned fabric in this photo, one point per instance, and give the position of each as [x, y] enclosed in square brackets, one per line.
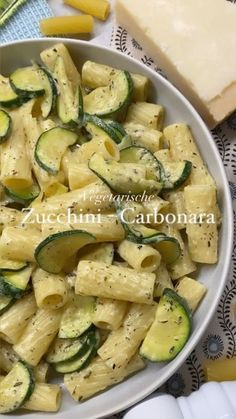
[25, 22]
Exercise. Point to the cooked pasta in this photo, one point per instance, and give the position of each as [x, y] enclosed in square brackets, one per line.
[97, 248]
[38, 334]
[101, 280]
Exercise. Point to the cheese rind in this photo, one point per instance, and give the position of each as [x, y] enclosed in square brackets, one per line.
[194, 43]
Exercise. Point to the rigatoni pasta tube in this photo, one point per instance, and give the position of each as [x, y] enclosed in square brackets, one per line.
[16, 318]
[148, 114]
[19, 243]
[49, 57]
[63, 25]
[191, 290]
[184, 264]
[183, 147]
[97, 377]
[142, 136]
[97, 75]
[39, 333]
[141, 257]
[105, 228]
[220, 370]
[104, 146]
[8, 357]
[101, 280]
[202, 234]
[15, 165]
[50, 290]
[45, 398]
[9, 216]
[109, 313]
[97, 8]
[122, 344]
[91, 198]
[163, 280]
[79, 175]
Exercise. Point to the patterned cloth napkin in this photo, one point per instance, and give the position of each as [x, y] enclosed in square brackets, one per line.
[219, 341]
[25, 22]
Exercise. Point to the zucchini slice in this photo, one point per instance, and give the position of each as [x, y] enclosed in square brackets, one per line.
[113, 100]
[123, 178]
[8, 98]
[16, 387]
[50, 95]
[12, 265]
[77, 317]
[67, 349]
[24, 196]
[69, 101]
[5, 303]
[54, 251]
[14, 284]
[81, 361]
[5, 126]
[26, 82]
[118, 128]
[51, 146]
[140, 155]
[99, 128]
[168, 246]
[176, 173]
[170, 329]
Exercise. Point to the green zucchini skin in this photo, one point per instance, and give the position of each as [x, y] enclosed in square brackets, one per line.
[9, 99]
[169, 182]
[51, 91]
[24, 196]
[77, 318]
[18, 81]
[47, 152]
[137, 154]
[162, 344]
[118, 110]
[16, 388]
[144, 235]
[15, 284]
[82, 361]
[5, 126]
[63, 350]
[98, 127]
[44, 252]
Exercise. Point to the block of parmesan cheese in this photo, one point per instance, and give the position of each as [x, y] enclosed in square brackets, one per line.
[194, 42]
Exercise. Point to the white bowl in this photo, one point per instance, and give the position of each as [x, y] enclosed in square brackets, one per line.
[214, 277]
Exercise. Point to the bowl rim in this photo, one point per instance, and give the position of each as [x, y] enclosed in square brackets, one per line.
[189, 347]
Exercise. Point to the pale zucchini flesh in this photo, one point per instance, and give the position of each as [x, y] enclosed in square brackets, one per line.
[8, 98]
[99, 128]
[54, 251]
[176, 173]
[77, 317]
[14, 284]
[170, 329]
[27, 82]
[82, 361]
[16, 388]
[66, 349]
[50, 96]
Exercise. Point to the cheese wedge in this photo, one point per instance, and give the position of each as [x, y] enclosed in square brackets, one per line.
[194, 42]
